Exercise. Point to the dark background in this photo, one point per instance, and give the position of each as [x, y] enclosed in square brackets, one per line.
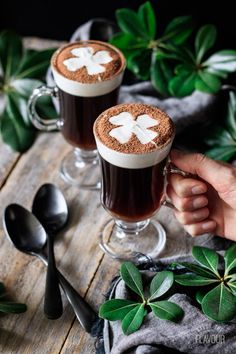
[58, 19]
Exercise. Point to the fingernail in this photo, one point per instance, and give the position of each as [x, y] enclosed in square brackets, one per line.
[199, 203]
[198, 190]
[200, 214]
[208, 225]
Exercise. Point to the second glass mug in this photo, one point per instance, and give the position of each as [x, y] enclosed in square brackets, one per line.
[80, 104]
[132, 193]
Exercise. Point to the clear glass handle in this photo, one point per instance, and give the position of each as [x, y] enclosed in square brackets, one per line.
[170, 168]
[39, 122]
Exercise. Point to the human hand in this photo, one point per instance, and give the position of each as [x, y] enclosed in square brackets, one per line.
[207, 202]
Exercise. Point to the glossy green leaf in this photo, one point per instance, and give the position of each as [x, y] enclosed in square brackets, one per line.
[140, 63]
[232, 287]
[160, 284]
[231, 114]
[10, 53]
[205, 39]
[11, 307]
[197, 269]
[219, 73]
[219, 304]
[179, 29]
[183, 85]
[167, 310]
[116, 309]
[207, 82]
[134, 319]
[129, 22]
[200, 294]
[128, 42]
[132, 278]
[230, 259]
[147, 17]
[34, 64]
[194, 280]
[206, 257]
[161, 74]
[224, 60]
[220, 136]
[225, 153]
[25, 87]
[13, 129]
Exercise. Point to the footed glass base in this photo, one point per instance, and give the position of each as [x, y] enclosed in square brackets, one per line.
[81, 168]
[132, 241]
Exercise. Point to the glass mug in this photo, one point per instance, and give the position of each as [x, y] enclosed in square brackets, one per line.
[81, 99]
[132, 191]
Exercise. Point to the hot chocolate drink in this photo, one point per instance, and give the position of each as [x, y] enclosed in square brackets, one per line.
[88, 75]
[133, 141]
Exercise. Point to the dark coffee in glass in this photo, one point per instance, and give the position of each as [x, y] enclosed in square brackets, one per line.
[133, 142]
[79, 114]
[132, 194]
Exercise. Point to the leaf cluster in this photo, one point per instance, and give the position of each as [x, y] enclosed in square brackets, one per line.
[132, 313]
[21, 71]
[7, 306]
[175, 65]
[217, 293]
[222, 139]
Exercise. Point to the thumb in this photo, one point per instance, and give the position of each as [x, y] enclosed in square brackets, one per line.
[221, 176]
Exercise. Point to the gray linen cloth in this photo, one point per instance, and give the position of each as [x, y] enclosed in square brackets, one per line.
[195, 333]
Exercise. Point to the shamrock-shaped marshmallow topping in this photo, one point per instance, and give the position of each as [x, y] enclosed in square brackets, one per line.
[85, 57]
[128, 125]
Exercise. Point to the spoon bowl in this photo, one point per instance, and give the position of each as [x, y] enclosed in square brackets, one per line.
[50, 207]
[24, 230]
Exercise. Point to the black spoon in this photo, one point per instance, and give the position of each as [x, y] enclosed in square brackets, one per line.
[50, 208]
[28, 235]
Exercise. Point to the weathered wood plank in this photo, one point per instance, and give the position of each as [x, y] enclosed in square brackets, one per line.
[8, 159]
[77, 251]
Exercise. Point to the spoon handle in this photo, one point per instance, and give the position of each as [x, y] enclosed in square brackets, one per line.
[84, 313]
[53, 307]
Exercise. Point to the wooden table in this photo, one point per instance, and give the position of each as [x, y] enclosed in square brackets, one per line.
[77, 252]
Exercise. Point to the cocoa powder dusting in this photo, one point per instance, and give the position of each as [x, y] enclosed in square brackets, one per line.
[113, 68]
[165, 128]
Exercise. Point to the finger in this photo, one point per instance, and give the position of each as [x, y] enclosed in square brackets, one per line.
[188, 203]
[192, 217]
[186, 187]
[220, 175]
[201, 227]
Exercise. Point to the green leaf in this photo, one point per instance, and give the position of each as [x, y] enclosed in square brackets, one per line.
[128, 41]
[160, 284]
[139, 63]
[116, 309]
[134, 319]
[219, 304]
[205, 39]
[34, 64]
[11, 307]
[224, 60]
[200, 294]
[13, 130]
[129, 22]
[10, 53]
[147, 17]
[183, 85]
[179, 29]
[161, 74]
[198, 269]
[206, 257]
[207, 82]
[221, 137]
[25, 87]
[167, 310]
[232, 286]
[230, 259]
[231, 114]
[132, 278]
[194, 280]
[224, 153]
